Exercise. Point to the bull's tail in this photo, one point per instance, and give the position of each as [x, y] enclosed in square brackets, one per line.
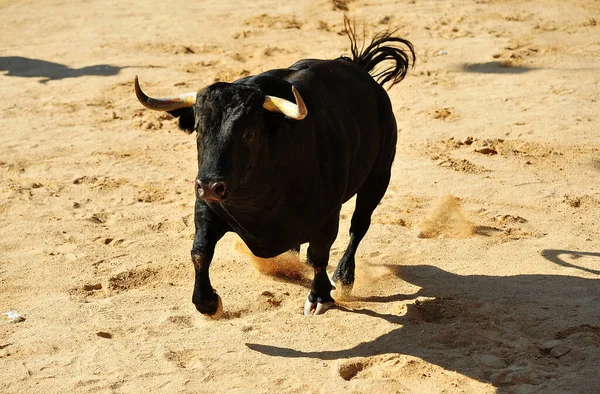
[384, 47]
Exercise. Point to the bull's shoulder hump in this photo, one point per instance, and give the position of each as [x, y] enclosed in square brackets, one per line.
[304, 74]
[309, 66]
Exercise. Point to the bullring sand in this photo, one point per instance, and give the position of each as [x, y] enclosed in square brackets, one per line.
[480, 271]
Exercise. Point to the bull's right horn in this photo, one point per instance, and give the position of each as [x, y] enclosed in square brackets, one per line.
[295, 111]
[186, 100]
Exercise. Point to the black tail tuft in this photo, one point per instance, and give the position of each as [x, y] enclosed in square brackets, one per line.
[383, 47]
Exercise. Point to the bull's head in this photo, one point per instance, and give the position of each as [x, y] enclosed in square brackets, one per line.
[231, 127]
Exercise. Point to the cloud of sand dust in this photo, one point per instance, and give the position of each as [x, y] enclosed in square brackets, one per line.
[446, 220]
[285, 266]
[368, 279]
[371, 274]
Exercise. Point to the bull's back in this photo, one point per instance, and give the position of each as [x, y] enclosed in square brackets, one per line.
[356, 122]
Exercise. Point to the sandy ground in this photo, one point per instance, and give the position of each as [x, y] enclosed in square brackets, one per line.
[480, 273]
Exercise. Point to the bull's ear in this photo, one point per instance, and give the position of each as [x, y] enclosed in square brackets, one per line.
[186, 118]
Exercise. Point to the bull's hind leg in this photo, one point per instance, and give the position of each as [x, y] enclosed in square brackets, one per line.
[319, 299]
[367, 198]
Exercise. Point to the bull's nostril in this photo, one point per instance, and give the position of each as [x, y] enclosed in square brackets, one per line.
[220, 189]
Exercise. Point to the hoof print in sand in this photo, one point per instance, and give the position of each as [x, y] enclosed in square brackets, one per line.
[131, 279]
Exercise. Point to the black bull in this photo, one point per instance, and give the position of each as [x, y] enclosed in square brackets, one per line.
[277, 173]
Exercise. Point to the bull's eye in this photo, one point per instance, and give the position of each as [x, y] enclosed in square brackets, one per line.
[247, 135]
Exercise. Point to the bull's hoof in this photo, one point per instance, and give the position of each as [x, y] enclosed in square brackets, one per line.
[212, 308]
[317, 308]
[219, 310]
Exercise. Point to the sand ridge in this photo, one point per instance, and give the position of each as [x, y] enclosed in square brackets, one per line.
[96, 200]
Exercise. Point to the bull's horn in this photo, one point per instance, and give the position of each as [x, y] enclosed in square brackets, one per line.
[186, 100]
[293, 111]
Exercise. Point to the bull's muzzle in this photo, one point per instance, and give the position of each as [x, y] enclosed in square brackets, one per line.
[211, 190]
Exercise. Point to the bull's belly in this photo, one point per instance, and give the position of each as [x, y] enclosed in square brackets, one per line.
[271, 235]
[270, 241]
[267, 251]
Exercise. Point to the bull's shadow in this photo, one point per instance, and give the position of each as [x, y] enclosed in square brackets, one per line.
[18, 66]
[515, 332]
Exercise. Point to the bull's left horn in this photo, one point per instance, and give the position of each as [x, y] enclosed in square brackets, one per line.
[186, 100]
[296, 111]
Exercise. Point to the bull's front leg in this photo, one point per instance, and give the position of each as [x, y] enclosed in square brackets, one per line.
[209, 230]
[319, 299]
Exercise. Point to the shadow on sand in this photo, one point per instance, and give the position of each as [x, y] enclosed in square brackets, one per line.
[18, 66]
[515, 332]
[554, 256]
[495, 68]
